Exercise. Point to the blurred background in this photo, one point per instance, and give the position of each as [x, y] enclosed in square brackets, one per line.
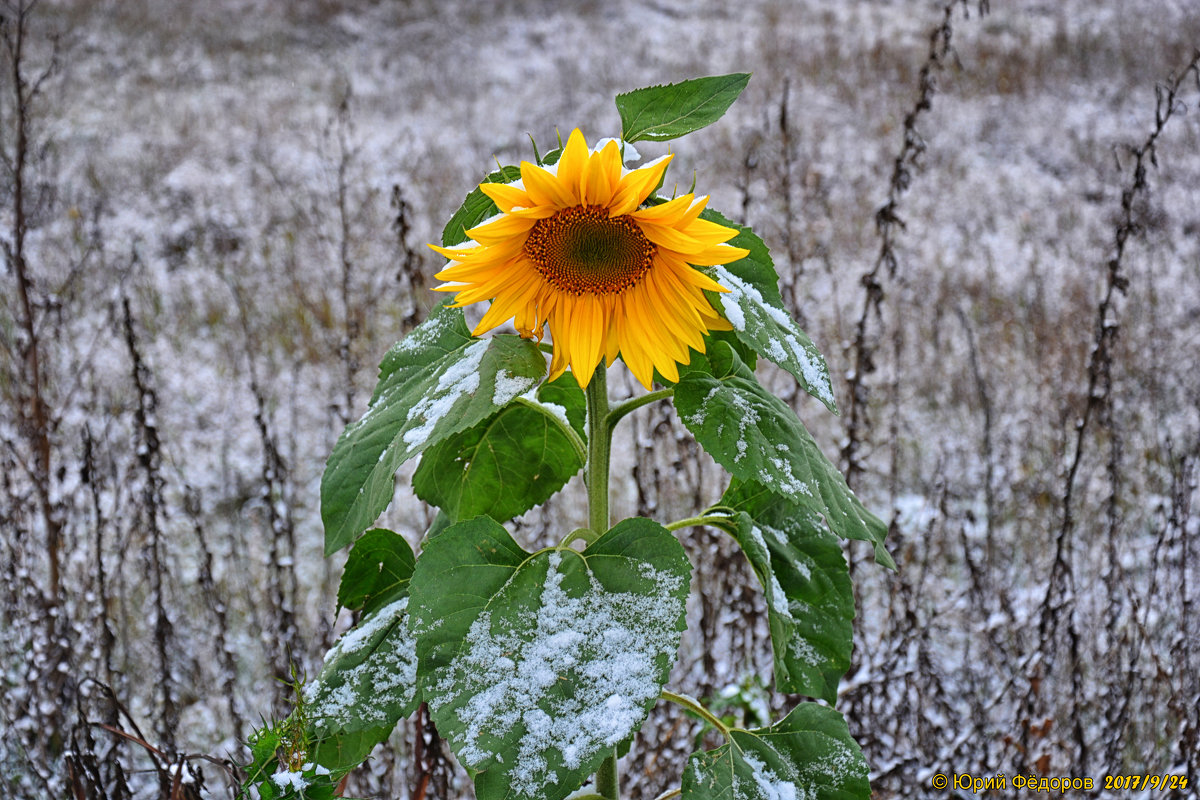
[214, 217]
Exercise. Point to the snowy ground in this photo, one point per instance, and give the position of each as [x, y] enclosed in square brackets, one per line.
[258, 180]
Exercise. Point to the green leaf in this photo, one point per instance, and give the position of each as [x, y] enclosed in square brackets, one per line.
[757, 437]
[755, 308]
[510, 462]
[344, 752]
[660, 113]
[476, 208]
[808, 754]
[436, 382]
[806, 583]
[369, 680]
[377, 571]
[440, 523]
[536, 666]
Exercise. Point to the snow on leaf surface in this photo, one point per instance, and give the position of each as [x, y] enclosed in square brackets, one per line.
[370, 675]
[436, 382]
[757, 437]
[510, 387]
[810, 603]
[760, 321]
[808, 755]
[544, 663]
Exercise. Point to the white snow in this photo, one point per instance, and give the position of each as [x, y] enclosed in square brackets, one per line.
[789, 353]
[778, 598]
[510, 386]
[767, 785]
[293, 780]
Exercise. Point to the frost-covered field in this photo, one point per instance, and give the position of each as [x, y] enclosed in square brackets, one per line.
[225, 207]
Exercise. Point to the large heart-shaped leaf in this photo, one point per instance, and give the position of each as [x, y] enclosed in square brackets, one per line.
[810, 603]
[510, 462]
[757, 437]
[536, 667]
[755, 309]
[809, 754]
[436, 382]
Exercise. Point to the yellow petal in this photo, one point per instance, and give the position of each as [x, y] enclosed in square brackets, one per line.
[500, 229]
[705, 231]
[694, 212]
[675, 314]
[571, 164]
[506, 196]
[668, 213]
[671, 238]
[455, 253]
[633, 350]
[686, 273]
[637, 186]
[718, 254]
[544, 189]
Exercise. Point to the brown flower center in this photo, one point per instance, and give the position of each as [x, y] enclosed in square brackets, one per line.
[581, 250]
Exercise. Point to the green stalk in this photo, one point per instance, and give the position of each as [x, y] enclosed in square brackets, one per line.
[620, 411]
[693, 705]
[599, 444]
[608, 780]
[716, 520]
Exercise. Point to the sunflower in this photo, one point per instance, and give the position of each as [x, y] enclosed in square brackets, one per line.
[573, 247]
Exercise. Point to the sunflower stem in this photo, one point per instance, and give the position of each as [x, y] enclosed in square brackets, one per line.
[599, 443]
[608, 780]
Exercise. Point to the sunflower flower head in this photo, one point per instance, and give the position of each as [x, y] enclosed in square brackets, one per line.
[577, 246]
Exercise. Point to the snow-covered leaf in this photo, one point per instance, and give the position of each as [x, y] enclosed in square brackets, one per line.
[660, 113]
[370, 676]
[510, 462]
[808, 755]
[755, 308]
[810, 604]
[436, 382]
[537, 666]
[757, 437]
[377, 571]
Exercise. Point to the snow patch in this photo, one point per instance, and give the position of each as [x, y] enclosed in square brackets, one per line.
[510, 386]
[767, 785]
[459, 379]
